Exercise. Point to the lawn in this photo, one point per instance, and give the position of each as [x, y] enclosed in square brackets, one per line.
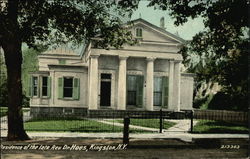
[74, 125]
[210, 126]
[150, 123]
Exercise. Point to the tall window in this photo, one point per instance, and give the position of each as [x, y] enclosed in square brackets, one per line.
[135, 90]
[68, 87]
[138, 33]
[35, 86]
[131, 99]
[44, 86]
[161, 91]
[158, 91]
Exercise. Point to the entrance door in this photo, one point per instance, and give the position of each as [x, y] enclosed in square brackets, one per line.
[105, 89]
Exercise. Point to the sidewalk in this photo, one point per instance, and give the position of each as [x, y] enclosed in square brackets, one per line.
[187, 137]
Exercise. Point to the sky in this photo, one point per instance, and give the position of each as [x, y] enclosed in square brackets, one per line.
[186, 31]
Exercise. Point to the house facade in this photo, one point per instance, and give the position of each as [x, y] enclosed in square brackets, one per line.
[145, 76]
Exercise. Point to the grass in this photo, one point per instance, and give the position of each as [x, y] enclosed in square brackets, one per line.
[210, 126]
[150, 123]
[4, 111]
[74, 125]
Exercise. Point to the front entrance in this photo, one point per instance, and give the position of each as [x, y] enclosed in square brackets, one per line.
[105, 90]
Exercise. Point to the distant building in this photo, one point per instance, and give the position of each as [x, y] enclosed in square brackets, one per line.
[145, 76]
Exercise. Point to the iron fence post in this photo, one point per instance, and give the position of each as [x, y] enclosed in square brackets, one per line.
[161, 121]
[126, 122]
[192, 120]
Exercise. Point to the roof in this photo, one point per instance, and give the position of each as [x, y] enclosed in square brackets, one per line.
[173, 36]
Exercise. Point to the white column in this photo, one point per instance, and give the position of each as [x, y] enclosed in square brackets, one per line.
[93, 82]
[171, 85]
[150, 84]
[52, 87]
[122, 84]
[177, 84]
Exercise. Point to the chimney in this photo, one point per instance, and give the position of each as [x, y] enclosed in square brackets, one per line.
[162, 23]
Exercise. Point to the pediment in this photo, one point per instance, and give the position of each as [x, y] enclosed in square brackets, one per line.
[154, 33]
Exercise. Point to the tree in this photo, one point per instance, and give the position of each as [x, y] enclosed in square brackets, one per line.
[49, 22]
[220, 52]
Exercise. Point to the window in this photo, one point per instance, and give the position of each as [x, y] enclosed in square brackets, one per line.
[161, 91]
[131, 90]
[138, 32]
[35, 86]
[68, 87]
[39, 86]
[157, 91]
[134, 90]
[44, 86]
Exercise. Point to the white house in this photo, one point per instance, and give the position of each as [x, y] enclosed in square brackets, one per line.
[145, 76]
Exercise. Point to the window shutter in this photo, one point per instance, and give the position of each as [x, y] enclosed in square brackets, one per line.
[76, 88]
[39, 86]
[30, 87]
[165, 91]
[60, 88]
[139, 91]
[49, 87]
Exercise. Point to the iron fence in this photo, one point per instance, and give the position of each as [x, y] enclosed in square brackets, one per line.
[101, 121]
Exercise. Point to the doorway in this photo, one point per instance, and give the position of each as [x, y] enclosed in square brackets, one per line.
[105, 91]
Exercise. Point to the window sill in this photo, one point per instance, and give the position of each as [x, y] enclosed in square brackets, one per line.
[67, 99]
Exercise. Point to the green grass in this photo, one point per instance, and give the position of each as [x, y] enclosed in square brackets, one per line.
[210, 126]
[74, 125]
[150, 123]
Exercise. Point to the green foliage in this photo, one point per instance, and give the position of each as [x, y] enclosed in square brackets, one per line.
[30, 64]
[55, 22]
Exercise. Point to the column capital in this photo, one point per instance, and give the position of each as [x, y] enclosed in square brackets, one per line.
[151, 59]
[123, 57]
[94, 56]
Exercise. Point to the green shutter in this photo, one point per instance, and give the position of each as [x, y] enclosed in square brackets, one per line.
[49, 87]
[76, 88]
[165, 91]
[39, 86]
[139, 91]
[30, 87]
[60, 88]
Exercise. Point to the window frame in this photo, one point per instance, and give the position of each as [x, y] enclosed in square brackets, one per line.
[42, 87]
[72, 88]
[161, 91]
[75, 95]
[33, 86]
[139, 30]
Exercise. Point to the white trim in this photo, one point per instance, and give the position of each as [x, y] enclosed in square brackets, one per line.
[112, 97]
[134, 72]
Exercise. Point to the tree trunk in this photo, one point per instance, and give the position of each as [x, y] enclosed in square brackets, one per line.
[13, 60]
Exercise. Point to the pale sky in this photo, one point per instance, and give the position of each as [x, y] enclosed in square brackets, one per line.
[187, 31]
